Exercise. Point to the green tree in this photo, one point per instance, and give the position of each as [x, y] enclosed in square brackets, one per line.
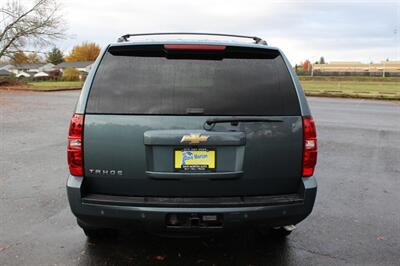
[322, 60]
[55, 56]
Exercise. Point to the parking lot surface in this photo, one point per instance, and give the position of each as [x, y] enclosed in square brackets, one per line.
[356, 219]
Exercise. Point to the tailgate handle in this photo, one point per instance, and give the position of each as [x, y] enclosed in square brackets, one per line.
[178, 175]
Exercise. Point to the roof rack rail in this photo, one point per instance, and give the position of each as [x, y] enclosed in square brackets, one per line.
[124, 38]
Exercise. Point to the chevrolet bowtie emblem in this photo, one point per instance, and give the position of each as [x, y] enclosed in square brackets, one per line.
[194, 138]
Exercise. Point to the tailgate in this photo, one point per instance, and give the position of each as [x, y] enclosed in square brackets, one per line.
[135, 156]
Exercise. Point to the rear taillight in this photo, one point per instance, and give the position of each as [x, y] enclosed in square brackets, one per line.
[309, 146]
[75, 145]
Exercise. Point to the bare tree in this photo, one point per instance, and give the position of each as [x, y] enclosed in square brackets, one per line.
[35, 26]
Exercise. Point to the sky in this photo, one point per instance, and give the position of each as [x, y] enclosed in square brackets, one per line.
[338, 30]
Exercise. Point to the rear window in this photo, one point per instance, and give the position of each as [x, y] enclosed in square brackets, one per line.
[231, 82]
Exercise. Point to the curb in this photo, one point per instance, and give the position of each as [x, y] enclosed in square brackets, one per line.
[355, 96]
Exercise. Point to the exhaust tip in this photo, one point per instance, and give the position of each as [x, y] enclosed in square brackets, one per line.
[289, 228]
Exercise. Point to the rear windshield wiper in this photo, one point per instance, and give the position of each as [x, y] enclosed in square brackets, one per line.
[210, 123]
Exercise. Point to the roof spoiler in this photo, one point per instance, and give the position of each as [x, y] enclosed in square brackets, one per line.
[125, 38]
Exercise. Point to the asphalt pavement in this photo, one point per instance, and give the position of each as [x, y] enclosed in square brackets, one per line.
[356, 219]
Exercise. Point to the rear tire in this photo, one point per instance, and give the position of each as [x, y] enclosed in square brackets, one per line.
[99, 233]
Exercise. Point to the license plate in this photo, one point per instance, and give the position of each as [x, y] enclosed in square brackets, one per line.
[194, 159]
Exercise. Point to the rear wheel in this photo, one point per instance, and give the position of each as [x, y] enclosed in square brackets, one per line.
[99, 233]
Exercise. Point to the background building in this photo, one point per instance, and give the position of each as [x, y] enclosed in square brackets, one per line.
[384, 68]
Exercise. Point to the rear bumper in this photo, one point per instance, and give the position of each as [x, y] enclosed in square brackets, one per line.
[141, 213]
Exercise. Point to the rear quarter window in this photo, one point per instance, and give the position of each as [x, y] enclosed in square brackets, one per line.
[154, 83]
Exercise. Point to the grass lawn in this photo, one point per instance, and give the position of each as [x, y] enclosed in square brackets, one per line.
[352, 87]
[56, 84]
